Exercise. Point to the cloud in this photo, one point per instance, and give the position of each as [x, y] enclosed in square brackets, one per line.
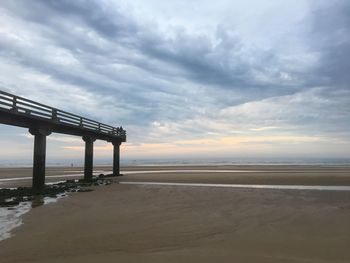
[92, 41]
[264, 128]
[330, 36]
[165, 74]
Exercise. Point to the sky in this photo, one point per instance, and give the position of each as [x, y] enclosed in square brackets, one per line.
[186, 79]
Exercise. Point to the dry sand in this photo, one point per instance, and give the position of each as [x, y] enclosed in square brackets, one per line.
[133, 223]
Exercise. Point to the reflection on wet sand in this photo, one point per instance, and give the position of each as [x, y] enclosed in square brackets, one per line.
[38, 200]
[10, 217]
[250, 186]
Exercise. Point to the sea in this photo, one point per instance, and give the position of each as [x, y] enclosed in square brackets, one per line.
[189, 162]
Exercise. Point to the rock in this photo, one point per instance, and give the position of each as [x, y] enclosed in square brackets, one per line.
[12, 197]
[82, 190]
[9, 203]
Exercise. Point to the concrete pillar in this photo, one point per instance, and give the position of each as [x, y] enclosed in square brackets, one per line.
[116, 158]
[39, 157]
[89, 152]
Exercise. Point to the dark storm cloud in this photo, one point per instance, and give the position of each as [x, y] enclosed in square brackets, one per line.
[53, 23]
[330, 35]
[224, 65]
[92, 13]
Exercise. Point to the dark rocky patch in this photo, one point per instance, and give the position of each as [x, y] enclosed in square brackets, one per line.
[13, 196]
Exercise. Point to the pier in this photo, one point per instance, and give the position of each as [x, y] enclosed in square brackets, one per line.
[42, 120]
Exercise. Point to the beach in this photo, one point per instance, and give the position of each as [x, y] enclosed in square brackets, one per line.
[182, 223]
[175, 131]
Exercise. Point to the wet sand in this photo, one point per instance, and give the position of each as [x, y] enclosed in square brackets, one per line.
[241, 174]
[147, 223]
[246, 174]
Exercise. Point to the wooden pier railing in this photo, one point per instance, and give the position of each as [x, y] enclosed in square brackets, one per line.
[29, 108]
[42, 120]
